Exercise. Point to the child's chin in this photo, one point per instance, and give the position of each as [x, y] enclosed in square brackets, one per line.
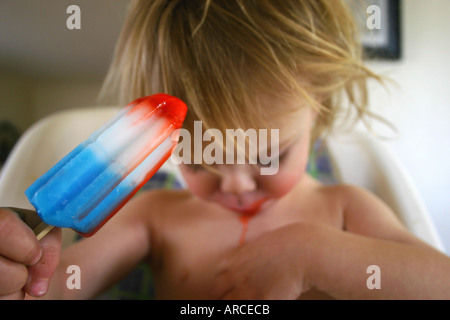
[252, 210]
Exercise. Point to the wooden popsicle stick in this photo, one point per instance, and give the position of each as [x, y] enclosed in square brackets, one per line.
[42, 229]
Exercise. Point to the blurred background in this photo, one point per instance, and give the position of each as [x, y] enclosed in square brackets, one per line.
[45, 67]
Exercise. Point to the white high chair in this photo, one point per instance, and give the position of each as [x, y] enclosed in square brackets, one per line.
[360, 159]
[357, 158]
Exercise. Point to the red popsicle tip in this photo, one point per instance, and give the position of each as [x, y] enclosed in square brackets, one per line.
[168, 106]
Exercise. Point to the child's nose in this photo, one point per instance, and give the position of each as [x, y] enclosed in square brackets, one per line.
[237, 182]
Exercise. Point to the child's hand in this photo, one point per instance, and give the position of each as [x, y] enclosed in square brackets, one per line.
[270, 267]
[26, 265]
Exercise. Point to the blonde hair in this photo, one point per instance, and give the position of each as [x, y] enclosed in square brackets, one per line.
[219, 56]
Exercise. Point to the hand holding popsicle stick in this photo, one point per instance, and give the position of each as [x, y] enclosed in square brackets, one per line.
[86, 188]
[32, 220]
[26, 265]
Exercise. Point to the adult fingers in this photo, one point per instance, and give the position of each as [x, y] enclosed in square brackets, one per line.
[13, 276]
[17, 241]
[41, 273]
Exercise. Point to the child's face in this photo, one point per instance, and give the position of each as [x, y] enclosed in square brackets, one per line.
[241, 187]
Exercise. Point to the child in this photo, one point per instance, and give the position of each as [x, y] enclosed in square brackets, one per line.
[236, 233]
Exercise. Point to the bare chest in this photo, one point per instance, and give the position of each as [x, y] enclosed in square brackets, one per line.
[189, 254]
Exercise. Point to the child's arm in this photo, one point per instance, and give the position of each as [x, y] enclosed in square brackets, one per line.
[365, 214]
[409, 268]
[108, 255]
[290, 260]
[338, 263]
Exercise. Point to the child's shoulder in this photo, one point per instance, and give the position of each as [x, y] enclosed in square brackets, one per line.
[339, 192]
[345, 193]
[164, 199]
[158, 207]
[365, 213]
[353, 197]
[354, 201]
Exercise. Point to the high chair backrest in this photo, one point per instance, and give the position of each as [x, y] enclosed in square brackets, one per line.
[361, 159]
[42, 146]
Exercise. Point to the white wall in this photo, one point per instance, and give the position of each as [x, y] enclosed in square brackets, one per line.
[50, 96]
[26, 100]
[420, 105]
[15, 104]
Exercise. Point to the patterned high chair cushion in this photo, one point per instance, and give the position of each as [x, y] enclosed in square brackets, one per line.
[319, 164]
[138, 285]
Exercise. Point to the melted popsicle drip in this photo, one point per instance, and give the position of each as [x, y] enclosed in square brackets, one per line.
[245, 217]
[244, 221]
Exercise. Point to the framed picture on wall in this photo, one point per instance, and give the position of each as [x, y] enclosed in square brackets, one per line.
[380, 25]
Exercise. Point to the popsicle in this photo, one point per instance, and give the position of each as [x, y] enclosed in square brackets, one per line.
[90, 184]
